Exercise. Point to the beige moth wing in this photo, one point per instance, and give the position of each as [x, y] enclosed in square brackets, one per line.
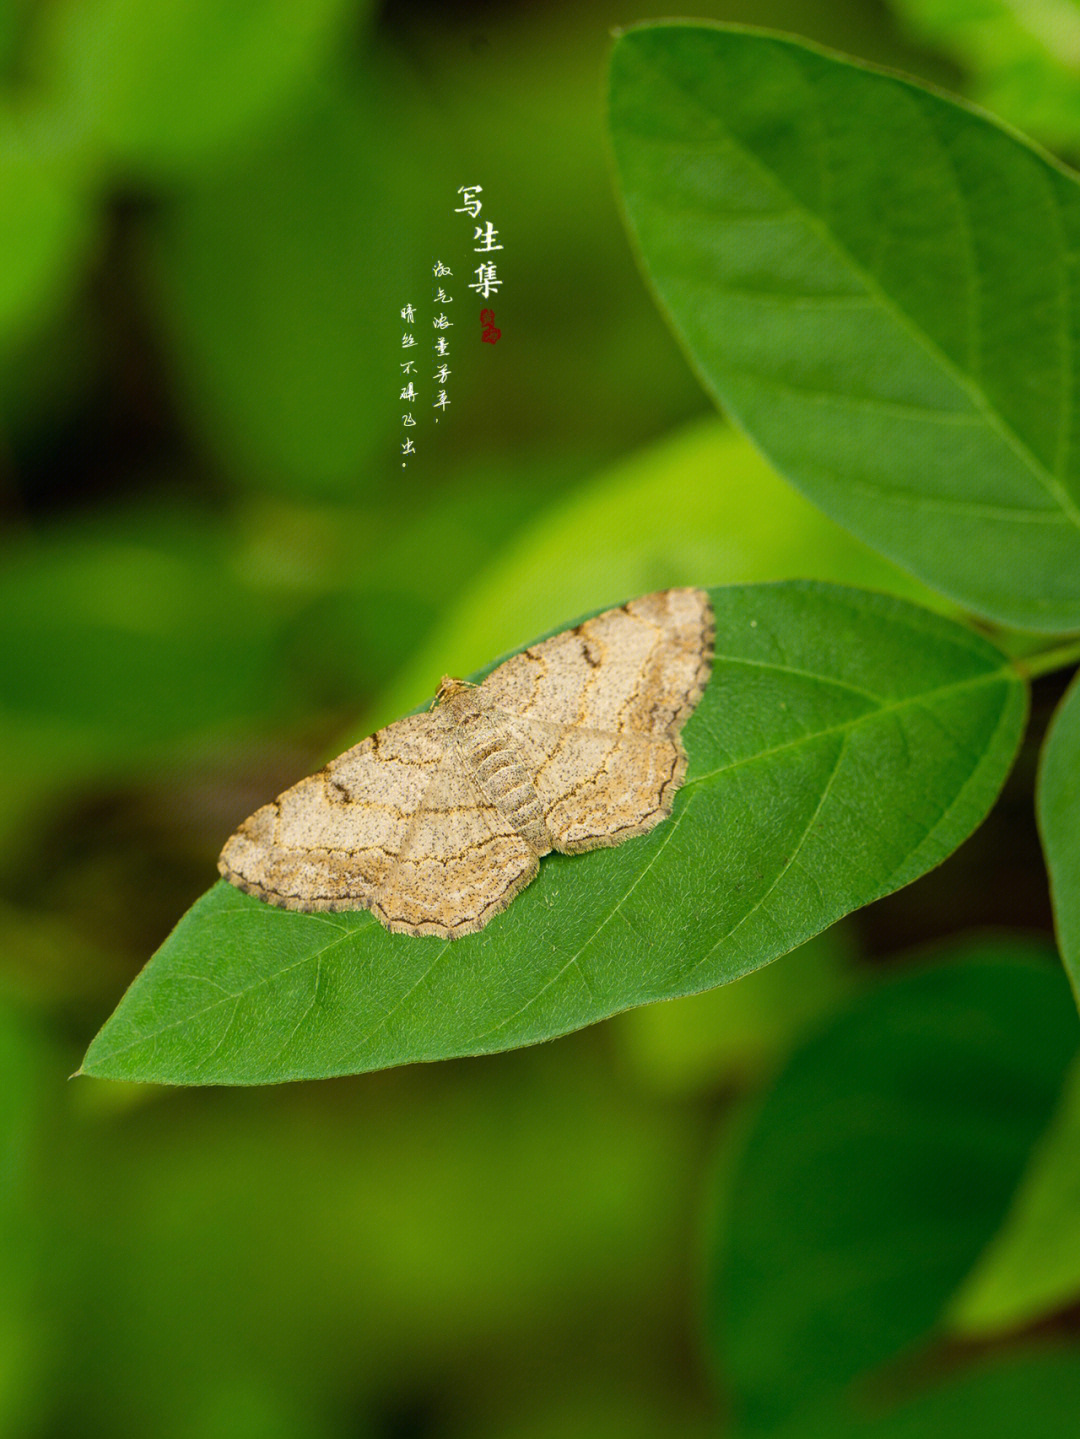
[436, 822]
[331, 841]
[600, 709]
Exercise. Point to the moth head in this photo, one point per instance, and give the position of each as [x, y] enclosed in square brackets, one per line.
[449, 687]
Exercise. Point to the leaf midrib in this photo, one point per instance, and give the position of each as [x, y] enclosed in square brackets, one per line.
[844, 730]
[1004, 672]
[980, 399]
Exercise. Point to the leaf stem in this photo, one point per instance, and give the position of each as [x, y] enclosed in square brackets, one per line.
[1043, 662]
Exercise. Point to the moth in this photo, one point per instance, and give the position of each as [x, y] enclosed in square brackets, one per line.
[436, 822]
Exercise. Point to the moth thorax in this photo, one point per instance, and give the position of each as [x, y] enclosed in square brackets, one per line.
[451, 688]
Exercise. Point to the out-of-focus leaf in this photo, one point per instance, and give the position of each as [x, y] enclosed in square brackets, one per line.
[251, 1410]
[1022, 59]
[125, 637]
[868, 276]
[164, 88]
[1059, 823]
[409, 1229]
[364, 621]
[1032, 1266]
[880, 1166]
[46, 226]
[706, 1040]
[16, 20]
[135, 639]
[846, 744]
[279, 285]
[47, 959]
[734, 522]
[1030, 1396]
[609, 1408]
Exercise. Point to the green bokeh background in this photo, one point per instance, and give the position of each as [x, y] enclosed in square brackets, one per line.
[214, 572]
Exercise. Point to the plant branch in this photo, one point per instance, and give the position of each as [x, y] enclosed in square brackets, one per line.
[1045, 661]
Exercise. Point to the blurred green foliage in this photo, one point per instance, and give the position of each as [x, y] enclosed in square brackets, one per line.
[1033, 1264]
[887, 1151]
[212, 572]
[173, 89]
[1058, 801]
[1021, 59]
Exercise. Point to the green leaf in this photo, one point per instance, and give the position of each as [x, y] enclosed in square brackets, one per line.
[1032, 1266]
[879, 1167]
[846, 744]
[1058, 798]
[874, 281]
[164, 88]
[1031, 1396]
